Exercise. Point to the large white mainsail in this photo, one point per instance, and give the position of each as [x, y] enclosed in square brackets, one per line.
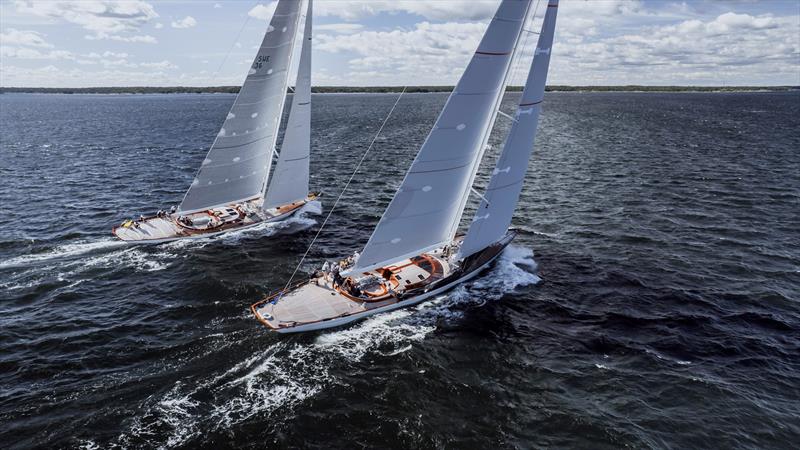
[237, 165]
[425, 211]
[494, 214]
[289, 181]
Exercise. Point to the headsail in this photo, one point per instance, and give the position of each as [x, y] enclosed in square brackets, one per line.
[290, 179]
[493, 216]
[238, 163]
[427, 208]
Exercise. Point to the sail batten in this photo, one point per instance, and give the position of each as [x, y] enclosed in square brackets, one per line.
[494, 214]
[427, 207]
[238, 162]
[290, 179]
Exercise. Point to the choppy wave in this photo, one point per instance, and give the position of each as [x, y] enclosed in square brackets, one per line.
[664, 227]
[287, 373]
[62, 251]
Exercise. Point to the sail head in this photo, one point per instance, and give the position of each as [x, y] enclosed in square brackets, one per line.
[237, 165]
[493, 216]
[289, 181]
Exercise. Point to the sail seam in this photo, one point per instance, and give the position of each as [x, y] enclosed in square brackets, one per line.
[241, 145]
[439, 170]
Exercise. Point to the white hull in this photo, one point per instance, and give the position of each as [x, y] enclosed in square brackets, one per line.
[318, 305]
[166, 229]
[332, 323]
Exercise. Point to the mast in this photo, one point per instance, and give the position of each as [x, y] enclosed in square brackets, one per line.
[422, 214]
[290, 179]
[238, 162]
[493, 216]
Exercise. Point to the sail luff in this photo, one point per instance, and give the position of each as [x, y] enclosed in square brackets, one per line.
[429, 200]
[238, 162]
[494, 214]
[289, 181]
[487, 133]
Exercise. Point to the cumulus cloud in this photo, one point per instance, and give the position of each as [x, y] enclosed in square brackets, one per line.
[103, 17]
[95, 15]
[428, 53]
[263, 12]
[431, 10]
[19, 37]
[186, 22]
[343, 28]
[614, 42]
[146, 39]
[52, 76]
[32, 53]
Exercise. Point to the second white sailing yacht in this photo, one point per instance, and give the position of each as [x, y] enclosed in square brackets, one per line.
[233, 190]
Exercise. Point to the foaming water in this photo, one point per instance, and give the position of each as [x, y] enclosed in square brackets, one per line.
[63, 251]
[662, 293]
[283, 375]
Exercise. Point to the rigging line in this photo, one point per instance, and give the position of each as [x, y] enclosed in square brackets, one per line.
[513, 71]
[519, 56]
[346, 185]
[228, 53]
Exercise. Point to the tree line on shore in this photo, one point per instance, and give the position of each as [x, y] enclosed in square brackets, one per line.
[382, 89]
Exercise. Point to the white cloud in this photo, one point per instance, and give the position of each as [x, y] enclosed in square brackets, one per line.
[32, 53]
[429, 53]
[159, 26]
[617, 42]
[107, 54]
[263, 12]
[217, 6]
[431, 10]
[726, 49]
[158, 65]
[145, 39]
[102, 16]
[343, 28]
[20, 37]
[105, 18]
[186, 22]
[52, 76]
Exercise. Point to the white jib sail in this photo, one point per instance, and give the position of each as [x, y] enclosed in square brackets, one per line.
[289, 181]
[425, 211]
[238, 163]
[494, 214]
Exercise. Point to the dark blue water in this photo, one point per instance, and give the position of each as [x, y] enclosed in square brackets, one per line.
[661, 308]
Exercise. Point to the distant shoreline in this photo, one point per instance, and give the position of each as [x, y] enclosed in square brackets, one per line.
[386, 89]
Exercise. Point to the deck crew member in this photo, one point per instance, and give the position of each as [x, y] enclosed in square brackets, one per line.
[326, 268]
[336, 277]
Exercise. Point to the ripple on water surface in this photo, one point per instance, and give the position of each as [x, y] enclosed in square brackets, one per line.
[660, 310]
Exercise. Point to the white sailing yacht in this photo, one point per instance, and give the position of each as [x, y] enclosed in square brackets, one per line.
[233, 190]
[414, 253]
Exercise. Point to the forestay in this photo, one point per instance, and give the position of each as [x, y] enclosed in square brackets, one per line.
[239, 160]
[425, 211]
[494, 214]
[290, 179]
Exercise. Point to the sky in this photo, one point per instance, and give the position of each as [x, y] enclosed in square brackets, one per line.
[51, 43]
